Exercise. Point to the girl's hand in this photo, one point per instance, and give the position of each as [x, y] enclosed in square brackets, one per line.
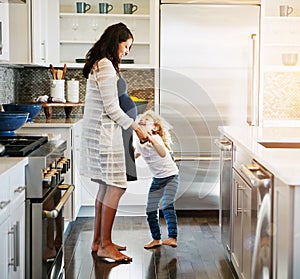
[142, 134]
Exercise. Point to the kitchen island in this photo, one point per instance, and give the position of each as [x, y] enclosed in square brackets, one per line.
[275, 150]
[282, 162]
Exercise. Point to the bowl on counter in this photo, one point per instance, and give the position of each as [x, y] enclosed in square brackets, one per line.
[32, 109]
[11, 121]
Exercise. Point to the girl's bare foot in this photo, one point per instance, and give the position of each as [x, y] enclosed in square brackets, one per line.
[111, 253]
[170, 241]
[95, 247]
[154, 243]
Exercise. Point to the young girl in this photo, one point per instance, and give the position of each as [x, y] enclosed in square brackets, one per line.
[156, 153]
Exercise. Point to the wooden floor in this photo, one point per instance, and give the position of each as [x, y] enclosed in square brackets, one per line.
[199, 254]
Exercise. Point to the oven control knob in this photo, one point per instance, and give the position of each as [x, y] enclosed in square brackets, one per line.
[64, 165]
[48, 180]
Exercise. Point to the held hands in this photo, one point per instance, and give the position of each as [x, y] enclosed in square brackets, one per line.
[142, 134]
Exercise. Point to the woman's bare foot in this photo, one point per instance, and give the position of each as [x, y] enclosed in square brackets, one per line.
[95, 247]
[111, 253]
[154, 243]
[170, 241]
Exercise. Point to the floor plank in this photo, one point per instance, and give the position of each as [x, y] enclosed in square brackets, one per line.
[199, 253]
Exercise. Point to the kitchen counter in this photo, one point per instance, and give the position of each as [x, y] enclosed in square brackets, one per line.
[284, 163]
[52, 123]
[7, 163]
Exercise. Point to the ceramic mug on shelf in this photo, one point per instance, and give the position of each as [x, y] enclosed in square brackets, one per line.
[289, 59]
[82, 7]
[285, 10]
[105, 8]
[130, 8]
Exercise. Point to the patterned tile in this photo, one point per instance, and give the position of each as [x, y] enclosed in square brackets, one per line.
[26, 83]
[281, 96]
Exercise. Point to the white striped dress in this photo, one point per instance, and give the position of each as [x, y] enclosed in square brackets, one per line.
[102, 150]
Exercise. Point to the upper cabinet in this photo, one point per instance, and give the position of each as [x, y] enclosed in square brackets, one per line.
[4, 32]
[281, 37]
[280, 62]
[79, 30]
[31, 35]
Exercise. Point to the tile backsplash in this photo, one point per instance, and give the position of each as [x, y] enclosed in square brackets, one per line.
[23, 84]
[281, 96]
[7, 83]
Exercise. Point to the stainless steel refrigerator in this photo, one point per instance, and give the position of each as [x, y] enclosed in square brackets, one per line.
[208, 77]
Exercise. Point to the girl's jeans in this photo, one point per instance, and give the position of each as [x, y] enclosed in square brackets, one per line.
[164, 190]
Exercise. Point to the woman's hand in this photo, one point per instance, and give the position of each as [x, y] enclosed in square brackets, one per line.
[140, 132]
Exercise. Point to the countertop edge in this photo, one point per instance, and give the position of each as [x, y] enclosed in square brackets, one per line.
[282, 162]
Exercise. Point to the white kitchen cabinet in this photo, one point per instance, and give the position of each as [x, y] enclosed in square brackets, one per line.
[4, 226]
[286, 237]
[279, 82]
[280, 34]
[78, 32]
[282, 239]
[66, 131]
[4, 32]
[32, 26]
[12, 222]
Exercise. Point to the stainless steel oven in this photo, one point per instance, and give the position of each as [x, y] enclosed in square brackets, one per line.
[46, 195]
[45, 254]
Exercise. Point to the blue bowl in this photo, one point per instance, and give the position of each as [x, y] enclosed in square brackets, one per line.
[9, 122]
[32, 109]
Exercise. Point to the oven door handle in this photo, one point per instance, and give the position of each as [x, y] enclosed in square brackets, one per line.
[54, 213]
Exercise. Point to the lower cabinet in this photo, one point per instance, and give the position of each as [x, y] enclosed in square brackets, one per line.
[12, 223]
[242, 237]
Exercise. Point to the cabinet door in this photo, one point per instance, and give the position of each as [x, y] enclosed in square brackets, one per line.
[39, 31]
[17, 222]
[248, 240]
[4, 240]
[4, 32]
[283, 230]
[238, 187]
[17, 242]
[19, 33]
[45, 31]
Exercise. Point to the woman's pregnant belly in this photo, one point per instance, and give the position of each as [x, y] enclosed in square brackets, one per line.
[128, 106]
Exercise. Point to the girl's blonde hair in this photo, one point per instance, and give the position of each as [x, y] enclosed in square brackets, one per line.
[161, 125]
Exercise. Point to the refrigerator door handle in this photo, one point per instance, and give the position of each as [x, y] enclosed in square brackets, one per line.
[252, 106]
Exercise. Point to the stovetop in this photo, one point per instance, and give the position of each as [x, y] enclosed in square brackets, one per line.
[21, 146]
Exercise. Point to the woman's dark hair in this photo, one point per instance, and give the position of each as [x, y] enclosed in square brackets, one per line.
[107, 46]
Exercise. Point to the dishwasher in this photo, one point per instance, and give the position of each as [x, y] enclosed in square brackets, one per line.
[252, 218]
